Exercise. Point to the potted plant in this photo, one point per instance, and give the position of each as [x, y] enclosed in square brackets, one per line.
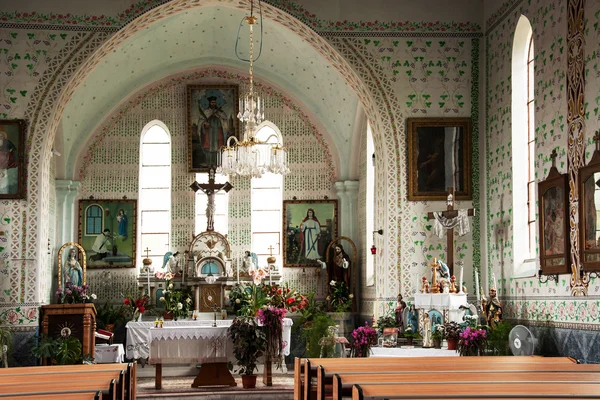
[387, 321]
[109, 315]
[249, 343]
[472, 342]
[178, 302]
[363, 338]
[409, 334]
[452, 334]
[65, 350]
[437, 335]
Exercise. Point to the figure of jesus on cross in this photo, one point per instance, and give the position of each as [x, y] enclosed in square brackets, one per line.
[449, 220]
[210, 189]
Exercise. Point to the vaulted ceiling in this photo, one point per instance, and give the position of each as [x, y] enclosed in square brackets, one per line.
[202, 37]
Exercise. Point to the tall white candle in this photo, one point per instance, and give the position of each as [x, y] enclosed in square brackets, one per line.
[461, 279]
[183, 274]
[148, 274]
[494, 281]
[238, 269]
[477, 286]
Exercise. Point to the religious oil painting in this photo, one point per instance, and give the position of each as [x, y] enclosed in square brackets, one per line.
[589, 213]
[107, 232]
[439, 157]
[212, 120]
[309, 226]
[12, 153]
[554, 223]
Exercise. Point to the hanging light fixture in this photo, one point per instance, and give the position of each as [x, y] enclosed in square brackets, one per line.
[252, 157]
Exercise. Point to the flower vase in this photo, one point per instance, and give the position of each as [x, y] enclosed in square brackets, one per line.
[139, 319]
[452, 344]
[168, 315]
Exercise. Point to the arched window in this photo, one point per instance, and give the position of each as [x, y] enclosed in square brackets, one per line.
[220, 220]
[266, 208]
[370, 205]
[523, 151]
[155, 193]
[93, 220]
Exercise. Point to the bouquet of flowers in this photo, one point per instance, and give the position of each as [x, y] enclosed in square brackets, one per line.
[272, 321]
[72, 294]
[284, 297]
[137, 306]
[340, 299]
[362, 339]
[177, 301]
[472, 341]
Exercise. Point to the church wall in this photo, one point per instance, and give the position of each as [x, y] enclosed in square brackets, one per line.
[111, 167]
[526, 299]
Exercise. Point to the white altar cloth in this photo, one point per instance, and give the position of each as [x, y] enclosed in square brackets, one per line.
[138, 334]
[108, 353]
[189, 344]
[442, 301]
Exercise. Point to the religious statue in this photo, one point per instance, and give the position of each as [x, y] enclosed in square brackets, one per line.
[492, 309]
[399, 312]
[427, 339]
[413, 318]
[171, 262]
[72, 270]
[339, 267]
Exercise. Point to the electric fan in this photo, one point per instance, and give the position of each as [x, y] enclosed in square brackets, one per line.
[521, 341]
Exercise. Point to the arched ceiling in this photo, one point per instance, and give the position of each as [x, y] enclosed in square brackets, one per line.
[205, 36]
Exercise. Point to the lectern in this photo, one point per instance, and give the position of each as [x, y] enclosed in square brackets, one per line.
[78, 320]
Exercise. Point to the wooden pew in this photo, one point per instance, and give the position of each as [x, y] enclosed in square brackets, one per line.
[325, 375]
[306, 369]
[343, 383]
[129, 370]
[108, 388]
[118, 376]
[61, 396]
[482, 390]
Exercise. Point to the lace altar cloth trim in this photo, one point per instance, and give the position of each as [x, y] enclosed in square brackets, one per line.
[191, 332]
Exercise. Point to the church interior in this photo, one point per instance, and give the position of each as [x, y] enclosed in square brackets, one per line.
[351, 152]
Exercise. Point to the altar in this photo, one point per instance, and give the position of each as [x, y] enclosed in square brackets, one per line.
[448, 304]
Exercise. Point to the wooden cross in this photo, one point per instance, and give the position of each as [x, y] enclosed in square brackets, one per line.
[210, 189]
[554, 154]
[450, 213]
[271, 248]
[147, 251]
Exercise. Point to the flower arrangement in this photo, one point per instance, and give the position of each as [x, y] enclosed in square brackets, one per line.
[72, 294]
[257, 275]
[284, 297]
[136, 306]
[363, 338]
[472, 342]
[409, 333]
[437, 332]
[452, 330]
[386, 321]
[271, 319]
[249, 343]
[177, 301]
[340, 299]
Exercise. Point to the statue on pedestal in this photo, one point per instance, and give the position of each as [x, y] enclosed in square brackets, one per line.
[492, 309]
[399, 312]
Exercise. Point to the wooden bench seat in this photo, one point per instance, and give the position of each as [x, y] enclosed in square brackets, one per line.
[107, 388]
[481, 390]
[343, 383]
[124, 375]
[62, 396]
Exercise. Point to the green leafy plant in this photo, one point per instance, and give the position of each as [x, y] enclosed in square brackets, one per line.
[65, 350]
[110, 314]
[387, 321]
[178, 301]
[497, 341]
[409, 333]
[249, 344]
[340, 298]
[452, 330]
[315, 330]
[437, 332]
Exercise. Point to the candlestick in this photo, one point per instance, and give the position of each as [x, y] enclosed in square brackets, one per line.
[461, 279]
[148, 274]
[238, 269]
[183, 275]
[494, 281]
[477, 286]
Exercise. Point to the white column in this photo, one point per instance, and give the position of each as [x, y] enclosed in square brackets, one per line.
[343, 210]
[66, 191]
[352, 197]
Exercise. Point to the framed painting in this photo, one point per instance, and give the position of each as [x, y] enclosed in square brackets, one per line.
[107, 232]
[309, 226]
[212, 119]
[71, 265]
[439, 157]
[589, 207]
[553, 211]
[12, 154]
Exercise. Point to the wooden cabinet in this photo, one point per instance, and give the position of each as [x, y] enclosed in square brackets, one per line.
[78, 320]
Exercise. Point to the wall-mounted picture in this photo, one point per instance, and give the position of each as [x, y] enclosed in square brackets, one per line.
[71, 265]
[107, 232]
[212, 120]
[12, 154]
[439, 157]
[309, 226]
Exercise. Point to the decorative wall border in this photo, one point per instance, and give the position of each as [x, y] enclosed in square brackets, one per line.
[552, 324]
[497, 17]
[476, 226]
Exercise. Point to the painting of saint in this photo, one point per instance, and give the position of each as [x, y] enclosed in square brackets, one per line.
[11, 158]
[554, 221]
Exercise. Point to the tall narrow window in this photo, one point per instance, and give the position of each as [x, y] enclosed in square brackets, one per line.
[523, 151]
[155, 193]
[220, 220]
[370, 204]
[266, 199]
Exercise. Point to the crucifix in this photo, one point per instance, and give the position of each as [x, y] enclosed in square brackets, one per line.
[450, 219]
[210, 189]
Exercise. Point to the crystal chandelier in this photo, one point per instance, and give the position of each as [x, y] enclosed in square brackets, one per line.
[252, 157]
